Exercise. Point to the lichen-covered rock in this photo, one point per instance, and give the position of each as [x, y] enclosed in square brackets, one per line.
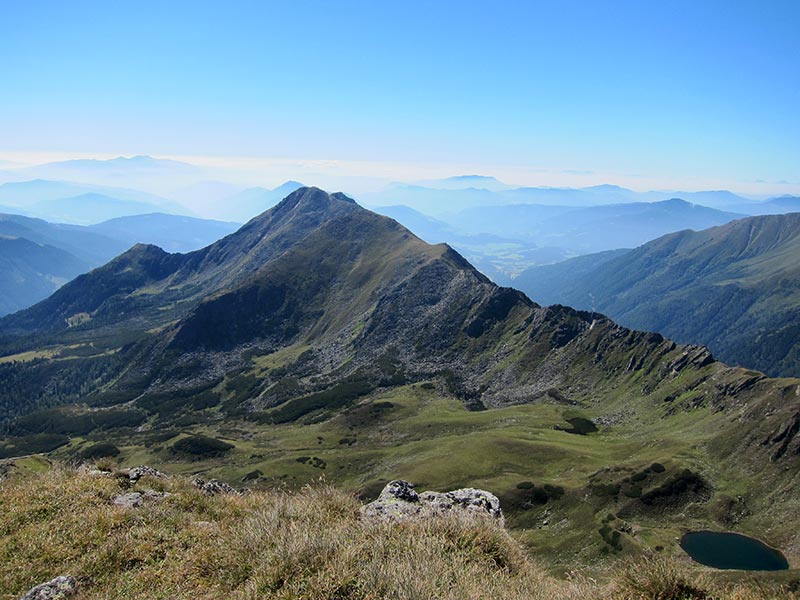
[94, 471]
[399, 490]
[137, 499]
[130, 500]
[212, 487]
[57, 589]
[136, 473]
[469, 499]
[399, 501]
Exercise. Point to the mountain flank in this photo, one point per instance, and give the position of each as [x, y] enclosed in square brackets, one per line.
[734, 288]
[29, 272]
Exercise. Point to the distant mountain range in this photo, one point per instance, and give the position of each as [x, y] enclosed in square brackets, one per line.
[440, 197]
[80, 204]
[89, 246]
[173, 233]
[251, 202]
[38, 257]
[461, 182]
[501, 228]
[735, 289]
[119, 166]
[504, 240]
[87, 209]
[154, 175]
[30, 192]
[30, 272]
[590, 229]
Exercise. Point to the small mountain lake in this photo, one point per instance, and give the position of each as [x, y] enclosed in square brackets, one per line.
[723, 550]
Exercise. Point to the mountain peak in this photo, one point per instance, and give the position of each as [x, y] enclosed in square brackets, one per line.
[312, 199]
[674, 202]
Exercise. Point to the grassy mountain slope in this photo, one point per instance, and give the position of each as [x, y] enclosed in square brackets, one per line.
[734, 288]
[323, 337]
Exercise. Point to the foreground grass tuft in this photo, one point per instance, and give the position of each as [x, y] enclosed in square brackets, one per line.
[309, 545]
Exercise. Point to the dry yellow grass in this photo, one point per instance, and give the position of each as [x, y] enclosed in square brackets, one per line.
[308, 545]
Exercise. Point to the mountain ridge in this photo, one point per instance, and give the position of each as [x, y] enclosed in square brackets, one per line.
[322, 335]
[221, 297]
[720, 286]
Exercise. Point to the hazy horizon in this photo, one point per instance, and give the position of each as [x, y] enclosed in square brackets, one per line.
[650, 97]
[368, 176]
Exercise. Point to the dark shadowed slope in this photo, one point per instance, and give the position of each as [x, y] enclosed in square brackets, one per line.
[29, 272]
[91, 247]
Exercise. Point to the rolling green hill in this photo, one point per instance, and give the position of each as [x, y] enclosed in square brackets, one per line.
[322, 338]
[734, 288]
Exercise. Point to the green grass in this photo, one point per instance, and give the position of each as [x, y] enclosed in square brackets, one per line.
[309, 543]
[431, 440]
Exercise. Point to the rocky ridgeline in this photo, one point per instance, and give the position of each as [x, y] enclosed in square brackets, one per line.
[399, 501]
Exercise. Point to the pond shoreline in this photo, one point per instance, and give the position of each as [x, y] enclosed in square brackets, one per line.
[770, 559]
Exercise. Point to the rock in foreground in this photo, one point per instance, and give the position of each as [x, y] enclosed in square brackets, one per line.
[399, 501]
[57, 589]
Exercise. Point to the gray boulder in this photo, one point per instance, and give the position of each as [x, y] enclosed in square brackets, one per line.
[137, 499]
[399, 490]
[130, 500]
[212, 487]
[136, 473]
[399, 501]
[57, 589]
[469, 499]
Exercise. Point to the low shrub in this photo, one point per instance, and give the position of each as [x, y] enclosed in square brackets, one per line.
[101, 450]
[201, 446]
[654, 577]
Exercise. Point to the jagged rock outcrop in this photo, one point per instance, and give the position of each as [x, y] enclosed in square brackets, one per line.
[136, 473]
[56, 589]
[399, 501]
[786, 438]
[212, 487]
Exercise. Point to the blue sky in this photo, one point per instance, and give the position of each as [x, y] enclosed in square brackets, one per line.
[675, 91]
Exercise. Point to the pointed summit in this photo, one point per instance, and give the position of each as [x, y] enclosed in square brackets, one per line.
[308, 199]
